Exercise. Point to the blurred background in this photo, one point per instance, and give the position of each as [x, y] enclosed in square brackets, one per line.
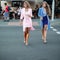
[16, 6]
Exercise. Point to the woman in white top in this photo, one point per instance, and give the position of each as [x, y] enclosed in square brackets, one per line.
[26, 14]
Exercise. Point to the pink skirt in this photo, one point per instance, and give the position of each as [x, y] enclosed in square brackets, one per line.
[27, 23]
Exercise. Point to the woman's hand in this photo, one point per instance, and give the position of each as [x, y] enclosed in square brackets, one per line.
[29, 16]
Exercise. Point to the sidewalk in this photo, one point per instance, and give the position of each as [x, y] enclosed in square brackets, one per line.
[36, 22]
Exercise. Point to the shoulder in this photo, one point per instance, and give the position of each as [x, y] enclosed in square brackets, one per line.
[23, 9]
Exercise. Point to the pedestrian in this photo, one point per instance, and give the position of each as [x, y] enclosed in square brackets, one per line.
[6, 13]
[44, 12]
[26, 15]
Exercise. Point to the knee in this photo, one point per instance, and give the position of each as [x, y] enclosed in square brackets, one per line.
[45, 29]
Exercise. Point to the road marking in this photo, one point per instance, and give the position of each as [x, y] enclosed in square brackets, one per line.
[51, 27]
[58, 32]
[54, 29]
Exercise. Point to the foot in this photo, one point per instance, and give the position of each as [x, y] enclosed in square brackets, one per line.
[26, 44]
[44, 41]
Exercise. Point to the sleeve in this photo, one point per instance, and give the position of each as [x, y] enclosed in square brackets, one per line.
[30, 12]
[40, 12]
[21, 17]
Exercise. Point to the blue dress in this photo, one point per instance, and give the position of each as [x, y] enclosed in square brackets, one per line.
[42, 13]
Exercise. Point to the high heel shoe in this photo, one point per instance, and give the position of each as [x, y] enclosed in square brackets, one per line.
[26, 44]
[45, 42]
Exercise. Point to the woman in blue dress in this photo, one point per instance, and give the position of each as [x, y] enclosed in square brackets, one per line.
[43, 13]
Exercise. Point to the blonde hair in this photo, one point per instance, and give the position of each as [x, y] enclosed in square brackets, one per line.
[48, 10]
[28, 4]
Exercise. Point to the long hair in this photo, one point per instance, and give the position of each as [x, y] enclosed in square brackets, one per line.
[48, 10]
[28, 4]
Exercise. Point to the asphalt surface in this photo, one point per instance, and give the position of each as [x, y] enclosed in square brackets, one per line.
[13, 48]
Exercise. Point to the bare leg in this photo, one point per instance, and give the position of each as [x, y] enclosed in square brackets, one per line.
[27, 35]
[42, 33]
[13, 15]
[24, 37]
[45, 32]
[5, 18]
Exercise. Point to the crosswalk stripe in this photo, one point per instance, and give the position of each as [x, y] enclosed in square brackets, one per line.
[51, 27]
[54, 29]
[58, 32]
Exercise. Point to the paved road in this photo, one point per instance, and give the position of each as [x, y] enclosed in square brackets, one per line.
[13, 48]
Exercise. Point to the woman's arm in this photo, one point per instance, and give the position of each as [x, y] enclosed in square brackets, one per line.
[22, 15]
[40, 13]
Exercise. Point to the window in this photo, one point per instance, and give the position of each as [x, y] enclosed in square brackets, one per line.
[17, 3]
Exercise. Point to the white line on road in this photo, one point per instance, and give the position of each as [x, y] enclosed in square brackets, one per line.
[58, 32]
[51, 27]
[54, 29]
